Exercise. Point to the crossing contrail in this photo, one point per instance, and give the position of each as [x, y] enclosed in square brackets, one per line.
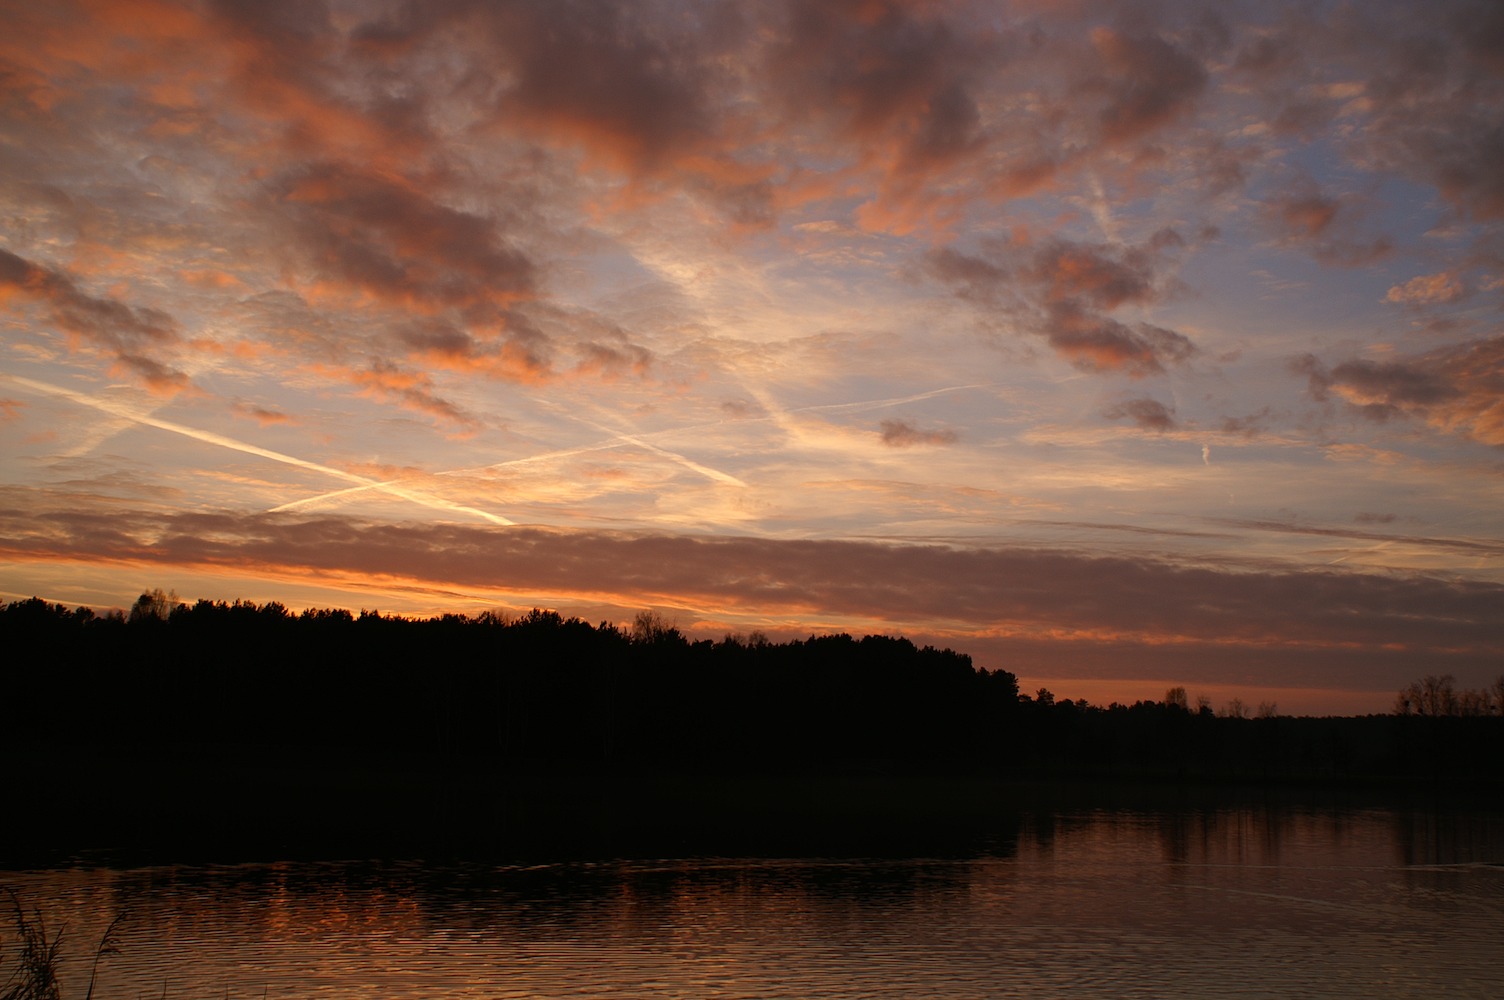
[776, 414]
[209, 437]
[673, 456]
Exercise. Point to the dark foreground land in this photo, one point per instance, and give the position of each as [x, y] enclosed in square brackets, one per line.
[236, 732]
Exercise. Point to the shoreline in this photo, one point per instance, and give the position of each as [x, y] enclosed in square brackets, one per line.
[77, 804]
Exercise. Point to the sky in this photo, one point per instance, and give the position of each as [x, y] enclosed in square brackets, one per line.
[1121, 346]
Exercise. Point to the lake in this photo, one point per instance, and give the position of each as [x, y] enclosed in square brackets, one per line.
[1234, 900]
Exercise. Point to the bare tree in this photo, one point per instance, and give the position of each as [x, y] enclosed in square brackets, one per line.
[651, 627]
[1438, 695]
[1431, 695]
[153, 605]
[1472, 702]
[1235, 709]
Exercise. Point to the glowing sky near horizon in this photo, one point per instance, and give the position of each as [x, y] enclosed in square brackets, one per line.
[1119, 345]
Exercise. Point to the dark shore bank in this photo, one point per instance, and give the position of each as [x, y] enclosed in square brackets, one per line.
[237, 732]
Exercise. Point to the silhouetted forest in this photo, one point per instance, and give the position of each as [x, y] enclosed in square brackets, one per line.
[543, 689]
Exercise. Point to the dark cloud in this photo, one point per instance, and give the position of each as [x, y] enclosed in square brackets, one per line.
[742, 409]
[1329, 228]
[610, 76]
[1150, 82]
[1379, 389]
[972, 277]
[124, 331]
[1149, 414]
[263, 416]
[410, 389]
[1418, 90]
[1318, 378]
[439, 338]
[905, 433]
[381, 236]
[1247, 425]
[1136, 601]
[613, 360]
[105, 321]
[1398, 384]
[1063, 290]
[949, 128]
[634, 85]
[1435, 90]
[1100, 276]
[1099, 343]
[1460, 545]
[1456, 389]
[886, 73]
[515, 350]
[1308, 215]
[159, 378]
[1463, 164]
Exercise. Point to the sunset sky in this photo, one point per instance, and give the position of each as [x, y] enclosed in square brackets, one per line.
[1121, 346]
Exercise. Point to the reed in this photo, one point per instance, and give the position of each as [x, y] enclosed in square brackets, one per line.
[34, 974]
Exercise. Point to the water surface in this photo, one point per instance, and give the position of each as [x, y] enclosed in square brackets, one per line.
[1237, 902]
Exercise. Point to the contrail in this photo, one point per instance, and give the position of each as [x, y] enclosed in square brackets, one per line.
[616, 442]
[548, 456]
[209, 437]
[876, 404]
[308, 501]
[673, 456]
[776, 414]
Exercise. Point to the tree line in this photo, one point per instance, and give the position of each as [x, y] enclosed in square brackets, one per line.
[542, 688]
[1437, 696]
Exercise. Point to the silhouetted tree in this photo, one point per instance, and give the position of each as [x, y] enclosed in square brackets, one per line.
[546, 689]
[1235, 709]
[1431, 695]
[153, 605]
